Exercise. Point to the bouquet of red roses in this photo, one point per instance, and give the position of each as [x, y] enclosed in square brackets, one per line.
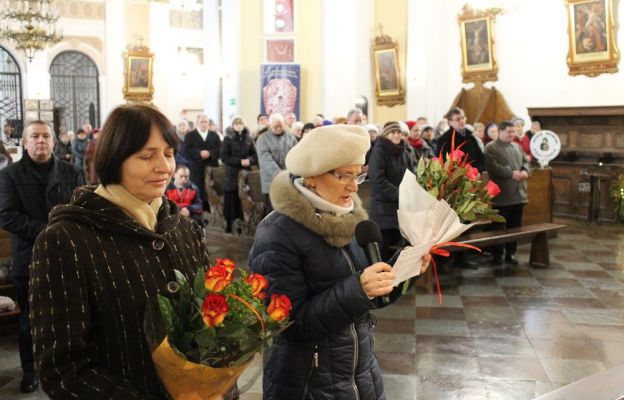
[457, 182]
[440, 202]
[212, 330]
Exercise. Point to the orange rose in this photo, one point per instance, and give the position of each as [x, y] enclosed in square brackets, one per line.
[228, 264]
[214, 309]
[279, 308]
[217, 278]
[258, 285]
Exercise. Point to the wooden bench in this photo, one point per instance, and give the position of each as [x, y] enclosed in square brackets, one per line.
[537, 234]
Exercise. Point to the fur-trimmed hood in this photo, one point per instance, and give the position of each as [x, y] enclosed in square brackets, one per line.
[336, 231]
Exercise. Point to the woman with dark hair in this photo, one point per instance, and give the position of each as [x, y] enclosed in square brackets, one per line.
[386, 168]
[100, 259]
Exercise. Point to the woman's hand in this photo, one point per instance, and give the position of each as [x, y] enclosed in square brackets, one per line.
[426, 260]
[377, 279]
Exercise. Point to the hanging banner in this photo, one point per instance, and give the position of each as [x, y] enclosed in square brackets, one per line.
[279, 85]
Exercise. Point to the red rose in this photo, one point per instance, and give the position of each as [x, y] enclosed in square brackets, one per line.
[472, 174]
[214, 309]
[279, 308]
[258, 285]
[217, 278]
[457, 155]
[492, 189]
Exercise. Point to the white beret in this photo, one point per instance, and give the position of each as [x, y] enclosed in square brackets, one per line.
[326, 148]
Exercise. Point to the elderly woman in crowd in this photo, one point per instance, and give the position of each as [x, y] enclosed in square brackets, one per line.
[237, 152]
[386, 168]
[306, 250]
[490, 133]
[100, 259]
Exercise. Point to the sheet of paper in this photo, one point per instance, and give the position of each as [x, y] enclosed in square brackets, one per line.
[409, 262]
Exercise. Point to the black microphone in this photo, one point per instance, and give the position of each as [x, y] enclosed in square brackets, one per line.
[368, 236]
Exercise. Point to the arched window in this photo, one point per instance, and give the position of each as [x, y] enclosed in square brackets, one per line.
[75, 91]
[11, 112]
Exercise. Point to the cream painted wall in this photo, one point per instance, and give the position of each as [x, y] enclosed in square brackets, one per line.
[138, 22]
[531, 51]
[249, 62]
[393, 16]
[308, 50]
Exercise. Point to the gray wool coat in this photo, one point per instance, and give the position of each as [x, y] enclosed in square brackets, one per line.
[272, 150]
[501, 159]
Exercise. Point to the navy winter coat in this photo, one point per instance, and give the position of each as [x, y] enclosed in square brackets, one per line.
[311, 257]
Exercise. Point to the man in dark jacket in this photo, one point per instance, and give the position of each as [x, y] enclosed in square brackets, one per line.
[469, 145]
[463, 137]
[202, 146]
[29, 189]
[185, 194]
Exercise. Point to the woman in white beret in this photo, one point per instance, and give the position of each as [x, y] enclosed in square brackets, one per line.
[306, 250]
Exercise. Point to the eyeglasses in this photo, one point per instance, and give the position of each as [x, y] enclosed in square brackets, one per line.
[348, 177]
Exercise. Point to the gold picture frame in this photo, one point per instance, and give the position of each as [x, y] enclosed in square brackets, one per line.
[477, 44]
[139, 72]
[591, 32]
[388, 88]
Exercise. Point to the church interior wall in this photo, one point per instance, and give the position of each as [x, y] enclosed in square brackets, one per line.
[333, 42]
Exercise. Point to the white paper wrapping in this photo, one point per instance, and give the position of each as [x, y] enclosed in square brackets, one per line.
[424, 221]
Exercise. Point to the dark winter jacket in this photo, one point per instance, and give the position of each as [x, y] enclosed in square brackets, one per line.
[93, 270]
[61, 150]
[236, 147]
[310, 256]
[26, 198]
[194, 144]
[79, 148]
[471, 147]
[385, 171]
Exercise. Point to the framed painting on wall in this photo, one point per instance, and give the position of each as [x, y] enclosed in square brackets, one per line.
[139, 64]
[591, 30]
[280, 50]
[387, 73]
[477, 45]
[279, 16]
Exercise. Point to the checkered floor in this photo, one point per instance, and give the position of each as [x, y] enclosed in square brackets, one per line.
[501, 333]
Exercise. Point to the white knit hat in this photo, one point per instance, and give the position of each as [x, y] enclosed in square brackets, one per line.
[326, 148]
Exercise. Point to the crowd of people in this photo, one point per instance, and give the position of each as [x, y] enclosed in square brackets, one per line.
[82, 304]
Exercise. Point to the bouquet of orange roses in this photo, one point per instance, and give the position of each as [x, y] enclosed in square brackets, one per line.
[204, 339]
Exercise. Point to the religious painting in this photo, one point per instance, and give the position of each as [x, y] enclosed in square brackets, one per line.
[139, 74]
[280, 88]
[477, 45]
[591, 30]
[386, 69]
[279, 16]
[280, 50]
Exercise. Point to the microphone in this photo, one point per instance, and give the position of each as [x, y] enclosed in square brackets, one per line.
[368, 236]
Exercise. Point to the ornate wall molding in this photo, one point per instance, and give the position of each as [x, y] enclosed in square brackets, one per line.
[81, 9]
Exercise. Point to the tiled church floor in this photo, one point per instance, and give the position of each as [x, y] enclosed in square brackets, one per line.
[501, 333]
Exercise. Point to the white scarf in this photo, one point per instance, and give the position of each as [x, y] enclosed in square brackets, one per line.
[320, 203]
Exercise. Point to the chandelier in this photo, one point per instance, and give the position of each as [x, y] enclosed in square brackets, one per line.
[30, 24]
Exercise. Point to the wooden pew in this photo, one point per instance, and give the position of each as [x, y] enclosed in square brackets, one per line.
[537, 234]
